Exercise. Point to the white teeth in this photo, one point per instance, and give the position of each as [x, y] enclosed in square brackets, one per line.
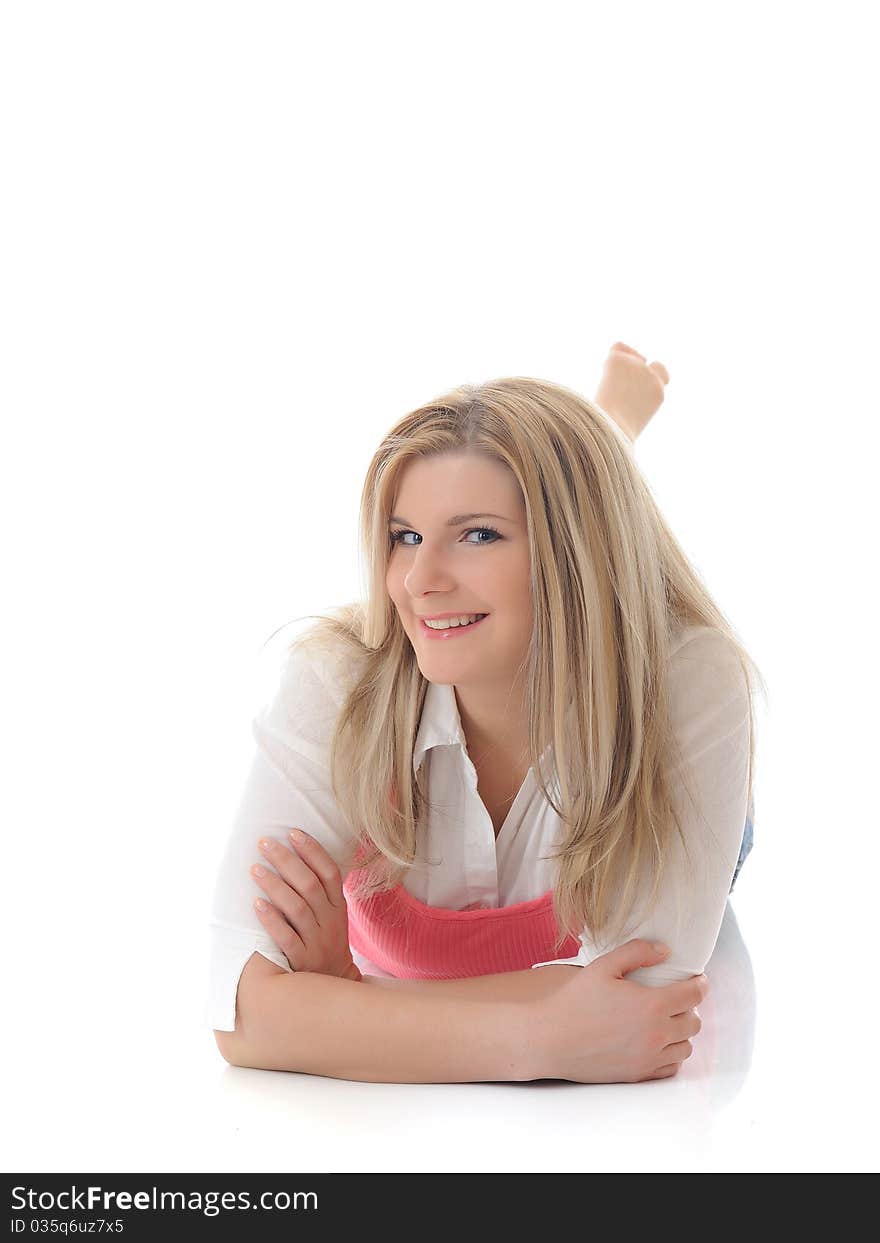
[448, 623]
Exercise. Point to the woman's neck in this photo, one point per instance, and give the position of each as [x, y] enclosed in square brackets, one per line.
[495, 729]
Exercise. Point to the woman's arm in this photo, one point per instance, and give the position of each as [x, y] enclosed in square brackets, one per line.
[596, 1027]
[287, 786]
[325, 1025]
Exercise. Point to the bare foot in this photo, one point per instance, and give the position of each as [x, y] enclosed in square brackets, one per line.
[631, 390]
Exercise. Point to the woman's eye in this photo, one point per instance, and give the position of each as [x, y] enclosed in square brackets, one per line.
[397, 536]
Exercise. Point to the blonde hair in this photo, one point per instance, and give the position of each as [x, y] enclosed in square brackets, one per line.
[611, 587]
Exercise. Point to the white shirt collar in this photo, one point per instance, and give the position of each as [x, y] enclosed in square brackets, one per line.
[440, 725]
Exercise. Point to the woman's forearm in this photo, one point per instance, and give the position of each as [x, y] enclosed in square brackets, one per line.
[439, 1033]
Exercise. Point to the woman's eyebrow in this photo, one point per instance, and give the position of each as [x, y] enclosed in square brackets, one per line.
[456, 520]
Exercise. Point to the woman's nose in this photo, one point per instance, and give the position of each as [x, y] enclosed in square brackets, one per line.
[427, 572]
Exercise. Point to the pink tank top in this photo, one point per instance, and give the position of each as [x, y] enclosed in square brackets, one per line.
[412, 941]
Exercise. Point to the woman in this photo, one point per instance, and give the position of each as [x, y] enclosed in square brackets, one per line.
[565, 765]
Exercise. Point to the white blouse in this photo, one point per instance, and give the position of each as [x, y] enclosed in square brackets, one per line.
[289, 786]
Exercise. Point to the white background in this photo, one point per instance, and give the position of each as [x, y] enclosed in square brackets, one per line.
[240, 240]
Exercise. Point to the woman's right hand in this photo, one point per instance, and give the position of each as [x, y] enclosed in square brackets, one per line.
[599, 1027]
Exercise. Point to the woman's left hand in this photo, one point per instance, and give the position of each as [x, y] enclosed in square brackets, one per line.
[307, 915]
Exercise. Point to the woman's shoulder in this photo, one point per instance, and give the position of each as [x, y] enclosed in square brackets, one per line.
[706, 674]
[335, 662]
[309, 690]
[702, 643]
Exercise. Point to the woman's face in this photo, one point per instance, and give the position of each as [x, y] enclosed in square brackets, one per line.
[474, 565]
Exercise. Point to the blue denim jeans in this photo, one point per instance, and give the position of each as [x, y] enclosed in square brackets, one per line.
[747, 842]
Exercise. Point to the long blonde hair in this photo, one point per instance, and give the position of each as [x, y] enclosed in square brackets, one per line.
[611, 587]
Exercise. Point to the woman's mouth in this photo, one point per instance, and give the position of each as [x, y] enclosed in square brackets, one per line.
[451, 632]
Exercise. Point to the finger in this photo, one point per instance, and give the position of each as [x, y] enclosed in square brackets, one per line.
[322, 864]
[659, 371]
[296, 873]
[286, 938]
[292, 905]
[666, 1072]
[678, 1052]
[684, 1026]
[687, 994]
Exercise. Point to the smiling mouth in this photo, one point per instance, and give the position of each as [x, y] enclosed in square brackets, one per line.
[448, 632]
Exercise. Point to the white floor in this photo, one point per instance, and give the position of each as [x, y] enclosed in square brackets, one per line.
[783, 1077]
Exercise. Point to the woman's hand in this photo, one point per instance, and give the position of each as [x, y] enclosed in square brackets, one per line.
[631, 390]
[307, 917]
[598, 1027]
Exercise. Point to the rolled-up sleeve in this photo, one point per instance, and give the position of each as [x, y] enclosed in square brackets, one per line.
[709, 707]
[287, 786]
